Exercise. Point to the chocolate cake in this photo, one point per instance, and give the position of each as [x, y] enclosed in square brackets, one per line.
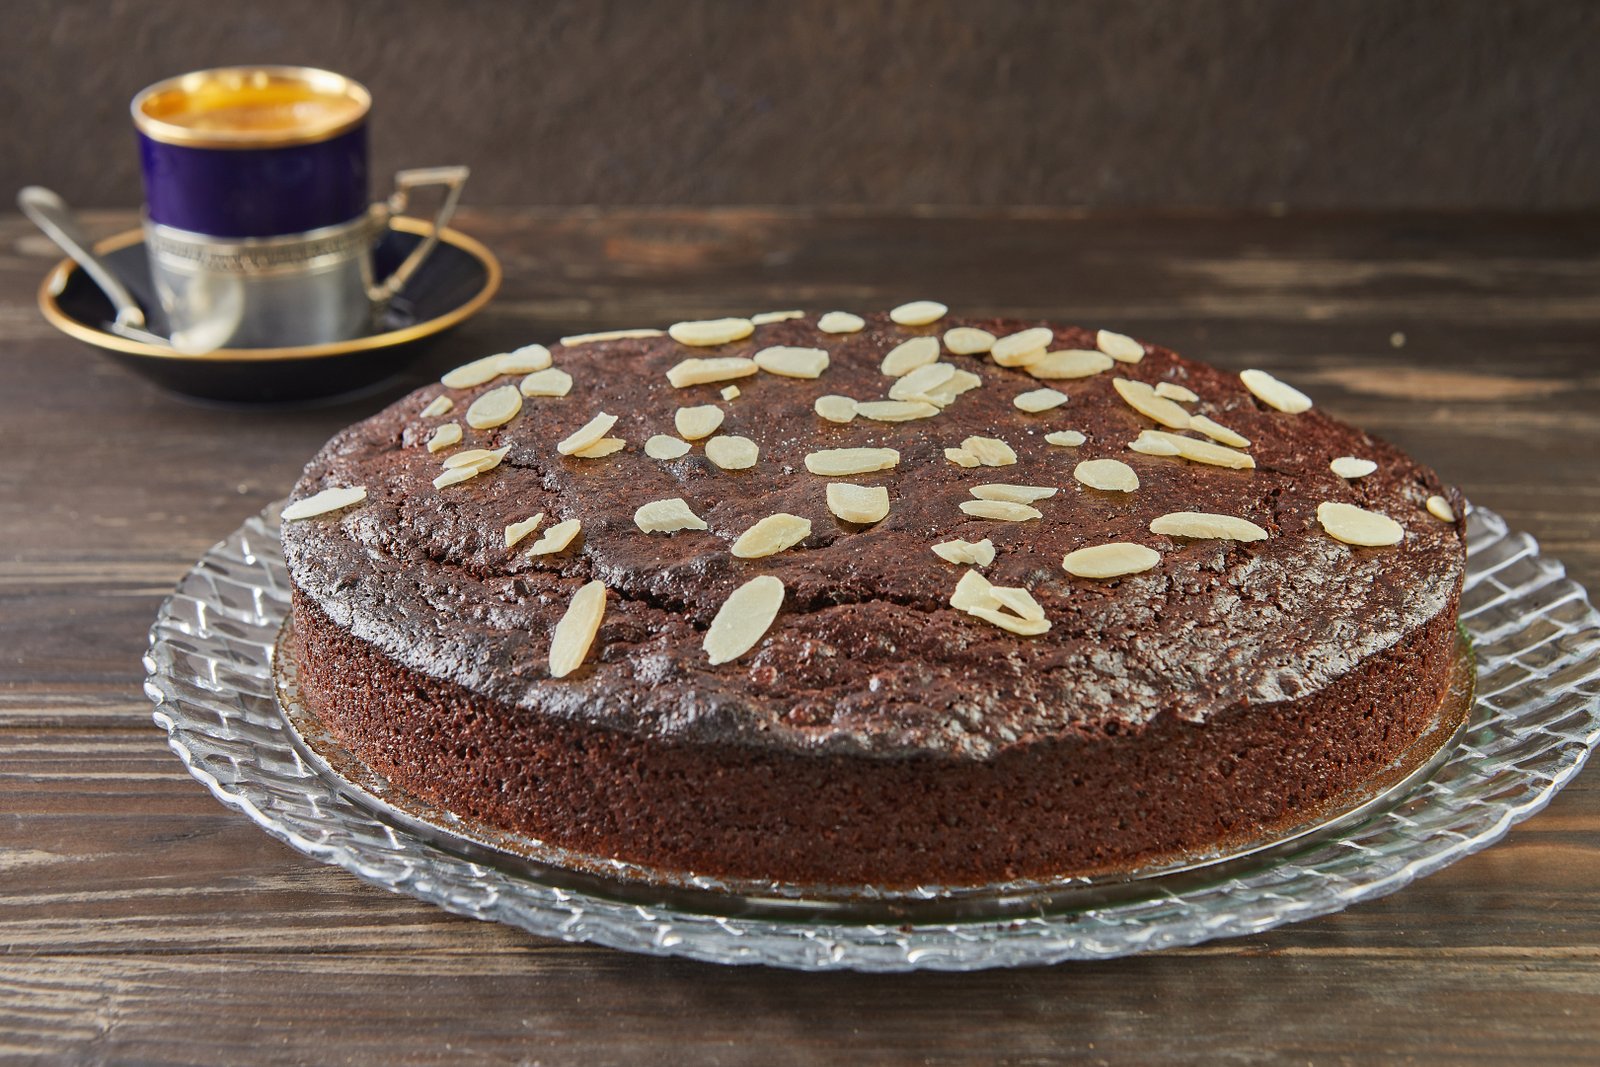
[702, 659]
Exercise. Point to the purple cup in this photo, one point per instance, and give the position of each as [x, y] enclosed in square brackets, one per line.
[258, 221]
[254, 151]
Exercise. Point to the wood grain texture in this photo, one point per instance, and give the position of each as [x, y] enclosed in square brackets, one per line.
[142, 922]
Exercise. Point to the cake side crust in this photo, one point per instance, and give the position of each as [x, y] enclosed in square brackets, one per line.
[1117, 799]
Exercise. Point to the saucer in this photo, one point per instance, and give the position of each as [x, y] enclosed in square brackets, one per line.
[453, 283]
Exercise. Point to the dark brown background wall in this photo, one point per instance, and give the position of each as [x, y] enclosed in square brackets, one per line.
[1339, 103]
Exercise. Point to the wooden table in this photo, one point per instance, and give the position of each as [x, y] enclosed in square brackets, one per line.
[141, 921]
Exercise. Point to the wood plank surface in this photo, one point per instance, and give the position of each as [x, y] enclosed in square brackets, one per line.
[142, 922]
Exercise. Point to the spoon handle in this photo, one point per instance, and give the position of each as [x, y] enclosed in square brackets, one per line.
[51, 214]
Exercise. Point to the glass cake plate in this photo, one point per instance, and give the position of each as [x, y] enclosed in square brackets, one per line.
[1534, 719]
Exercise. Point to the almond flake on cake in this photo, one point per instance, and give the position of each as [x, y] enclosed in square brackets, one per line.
[667, 516]
[610, 335]
[744, 619]
[918, 313]
[325, 501]
[705, 333]
[1273, 393]
[575, 633]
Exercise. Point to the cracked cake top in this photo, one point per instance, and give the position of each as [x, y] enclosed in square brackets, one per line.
[888, 535]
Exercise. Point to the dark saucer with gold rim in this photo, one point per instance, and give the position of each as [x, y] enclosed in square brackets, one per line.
[452, 284]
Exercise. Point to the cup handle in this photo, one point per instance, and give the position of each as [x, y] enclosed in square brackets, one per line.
[405, 181]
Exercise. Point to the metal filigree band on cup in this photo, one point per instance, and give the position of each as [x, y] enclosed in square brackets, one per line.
[194, 252]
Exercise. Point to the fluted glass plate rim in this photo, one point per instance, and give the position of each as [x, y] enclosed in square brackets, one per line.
[1536, 718]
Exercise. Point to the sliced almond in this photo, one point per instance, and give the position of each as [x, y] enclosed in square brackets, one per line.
[1017, 494]
[1191, 449]
[1110, 561]
[663, 446]
[733, 453]
[1010, 608]
[439, 405]
[469, 458]
[990, 451]
[1119, 346]
[907, 356]
[1022, 627]
[1358, 526]
[1037, 400]
[550, 382]
[961, 457]
[1018, 600]
[716, 369]
[1440, 509]
[789, 362]
[469, 464]
[978, 553]
[455, 476]
[896, 410]
[835, 408]
[525, 360]
[609, 335]
[494, 408]
[917, 384]
[743, 619]
[865, 504]
[606, 446]
[730, 393]
[518, 530]
[969, 341]
[767, 318]
[841, 322]
[1218, 432]
[1141, 398]
[1065, 438]
[587, 434]
[706, 332]
[556, 538]
[918, 313]
[1109, 475]
[1174, 391]
[697, 422]
[960, 382]
[1207, 525]
[667, 516]
[1003, 510]
[1069, 363]
[327, 500]
[1351, 467]
[842, 462]
[1015, 349]
[973, 591]
[569, 645]
[772, 535]
[444, 437]
[479, 459]
[1273, 393]
[1154, 443]
[602, 448]
[475, 373]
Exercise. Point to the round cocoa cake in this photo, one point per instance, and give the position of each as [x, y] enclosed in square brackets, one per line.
[714, 652]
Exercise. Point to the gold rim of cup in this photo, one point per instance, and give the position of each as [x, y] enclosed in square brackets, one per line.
[154, 104]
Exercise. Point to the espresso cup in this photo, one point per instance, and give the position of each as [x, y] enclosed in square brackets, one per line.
[258, 223]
